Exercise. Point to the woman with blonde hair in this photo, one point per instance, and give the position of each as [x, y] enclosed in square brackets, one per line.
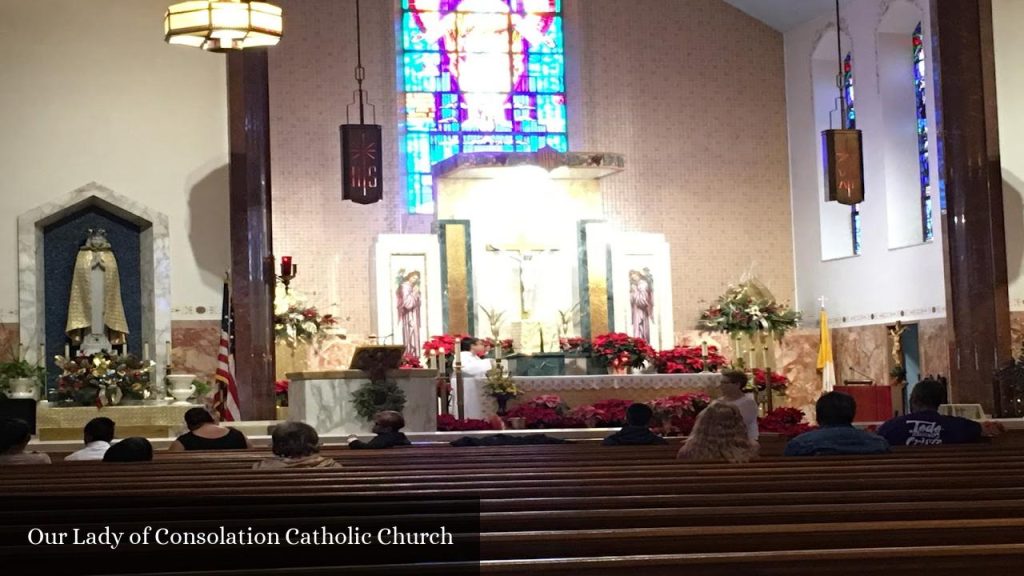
[718, 435]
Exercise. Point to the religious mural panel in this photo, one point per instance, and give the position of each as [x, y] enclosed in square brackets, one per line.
[408, 290]
[642, 288]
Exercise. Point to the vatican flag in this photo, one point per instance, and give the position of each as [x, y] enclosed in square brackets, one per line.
[828, 370]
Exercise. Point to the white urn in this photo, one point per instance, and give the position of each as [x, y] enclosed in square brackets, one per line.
[23, 388]
[181, 387]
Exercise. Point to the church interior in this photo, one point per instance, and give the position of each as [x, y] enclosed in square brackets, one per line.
[508, 233]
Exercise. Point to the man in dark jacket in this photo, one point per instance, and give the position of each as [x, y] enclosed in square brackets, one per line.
[924, 426]
[386, 426]
[637, 430]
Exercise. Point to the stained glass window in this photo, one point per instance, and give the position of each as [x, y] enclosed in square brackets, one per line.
[922, 134]
[480, 75]
[851, 123]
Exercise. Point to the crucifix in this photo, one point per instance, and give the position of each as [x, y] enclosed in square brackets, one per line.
[528, 258]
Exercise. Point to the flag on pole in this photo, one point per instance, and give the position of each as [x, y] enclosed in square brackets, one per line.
[227, 393]
[828, 369]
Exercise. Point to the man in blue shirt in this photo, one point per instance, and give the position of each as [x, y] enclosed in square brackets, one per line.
[836, 434]
[925, 426]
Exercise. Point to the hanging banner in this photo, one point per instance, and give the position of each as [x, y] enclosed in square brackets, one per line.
[361, 163]
[844, 166]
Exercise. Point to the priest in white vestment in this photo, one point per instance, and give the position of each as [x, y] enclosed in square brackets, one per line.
[474, 374]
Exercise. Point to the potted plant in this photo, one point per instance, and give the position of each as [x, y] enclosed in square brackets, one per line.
[20, 379]
[620, 352]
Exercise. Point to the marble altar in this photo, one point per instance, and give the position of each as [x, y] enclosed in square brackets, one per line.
[324, 400]
[587, 389]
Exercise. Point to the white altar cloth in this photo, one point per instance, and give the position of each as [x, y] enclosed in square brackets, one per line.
[703, 382]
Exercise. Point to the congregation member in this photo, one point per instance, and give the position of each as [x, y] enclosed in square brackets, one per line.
[295, 445]
[836, 434]
[97, 435]
[134, 449]
[387, 425]
[924, 426]
[718, 435]
[637, 431]
[731, 386]
[15, 434]
[205, 434]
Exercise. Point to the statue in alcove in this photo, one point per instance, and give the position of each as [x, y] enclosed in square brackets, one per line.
[96, 318]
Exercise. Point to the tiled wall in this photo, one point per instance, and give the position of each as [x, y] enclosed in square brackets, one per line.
[691, 92]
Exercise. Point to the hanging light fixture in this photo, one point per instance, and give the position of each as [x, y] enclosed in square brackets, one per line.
[843, 148]
[223, 25]
[362, 165]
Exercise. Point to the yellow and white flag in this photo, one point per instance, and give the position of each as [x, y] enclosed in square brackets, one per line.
[825, 365]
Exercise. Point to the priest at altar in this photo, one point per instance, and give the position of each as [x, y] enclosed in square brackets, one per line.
[474, 375]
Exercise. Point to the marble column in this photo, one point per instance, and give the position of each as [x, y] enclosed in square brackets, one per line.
[968, 154]
[252, 259]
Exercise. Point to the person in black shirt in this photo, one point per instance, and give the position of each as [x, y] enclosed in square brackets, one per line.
[386, 426]
[637, 431]
[204, 434]
[924, 426]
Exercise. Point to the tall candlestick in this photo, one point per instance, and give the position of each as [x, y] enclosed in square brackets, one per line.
[750, 357]
[42, 354]
[167, 348]
[704, 348]
[498, 351]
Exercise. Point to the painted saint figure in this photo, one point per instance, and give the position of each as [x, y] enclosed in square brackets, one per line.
[641, 302]
[409, 302]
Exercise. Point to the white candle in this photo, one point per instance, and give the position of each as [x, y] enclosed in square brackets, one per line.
[168, 348]
[498, 351]
[42, 354]
[67, 351]
[704, 348]
[145, 350]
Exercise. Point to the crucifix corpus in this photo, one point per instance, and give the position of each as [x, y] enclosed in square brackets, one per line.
[528, 257]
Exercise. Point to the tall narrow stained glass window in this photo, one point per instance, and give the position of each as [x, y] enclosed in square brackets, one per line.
[480, 75]
[922, 134]
[850, 123]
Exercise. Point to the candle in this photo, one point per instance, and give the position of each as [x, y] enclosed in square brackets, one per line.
[498, 351]
[168, 350]
[704, 348]
[750, 357]
[42, 354]
[67, 351]
[145, 350]
[286, 265]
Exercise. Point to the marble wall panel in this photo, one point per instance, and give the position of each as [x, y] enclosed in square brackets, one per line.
[195, 344]
[934, 342]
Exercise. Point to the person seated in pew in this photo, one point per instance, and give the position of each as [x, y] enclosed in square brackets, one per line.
[732, 385]
[924, 426]
[204, 434]
[134, 449]
[97, 434]
[836, 434]
[295, 445]
[718, 435]
[386, 425]
[14, 437]
[637, 431]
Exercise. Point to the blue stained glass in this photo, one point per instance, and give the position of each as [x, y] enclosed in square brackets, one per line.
[917, 40]
[480, 76]
[856, 232]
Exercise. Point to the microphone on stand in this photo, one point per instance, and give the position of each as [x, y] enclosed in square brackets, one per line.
[859, 373]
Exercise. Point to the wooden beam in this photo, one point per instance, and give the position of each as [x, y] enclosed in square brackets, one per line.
[963, 61]
[252, 260]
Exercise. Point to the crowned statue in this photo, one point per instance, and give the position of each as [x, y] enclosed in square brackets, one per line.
[96, 318]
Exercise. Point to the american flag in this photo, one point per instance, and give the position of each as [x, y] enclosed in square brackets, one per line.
[227, 394]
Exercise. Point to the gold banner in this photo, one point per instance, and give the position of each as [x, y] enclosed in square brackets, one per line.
[458, 279]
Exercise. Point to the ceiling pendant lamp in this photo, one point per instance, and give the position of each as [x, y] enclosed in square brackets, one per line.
[223, 25]
[842, 148]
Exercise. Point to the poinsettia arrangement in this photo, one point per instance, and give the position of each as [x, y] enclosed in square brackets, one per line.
[787, 422]
[449, 423]
[410, 361]
[778, 382]
[748, 308]
[605, 414]
[547, 411]
[102, 380]
[617, 349]
[688, 360]
[443, 345]
[574, 345]
[281, 392]
[678, 414]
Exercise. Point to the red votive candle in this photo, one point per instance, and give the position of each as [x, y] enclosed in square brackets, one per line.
[286, 265]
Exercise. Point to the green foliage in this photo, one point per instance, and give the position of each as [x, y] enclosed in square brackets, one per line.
[202, 388]
[373, 397]
[19, 369]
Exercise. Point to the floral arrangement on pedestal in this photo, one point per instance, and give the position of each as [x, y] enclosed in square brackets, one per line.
[281, 393]
[779, 382]
[605, 414]
[20, 369]
[787, 422]
[294, 320]
[574, 346]
[688, 360]
[500, 386]
[103, 380]
[619, 351]
[749, 308]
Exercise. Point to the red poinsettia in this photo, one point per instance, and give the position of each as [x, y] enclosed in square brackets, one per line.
[677, 414]
[547, 411]
[779, 382]
[788, 422]
[410, 361]
[604, 414]
[688, 360]
[449, 423]
[443, 344]
[617, 349]
[574, 345]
